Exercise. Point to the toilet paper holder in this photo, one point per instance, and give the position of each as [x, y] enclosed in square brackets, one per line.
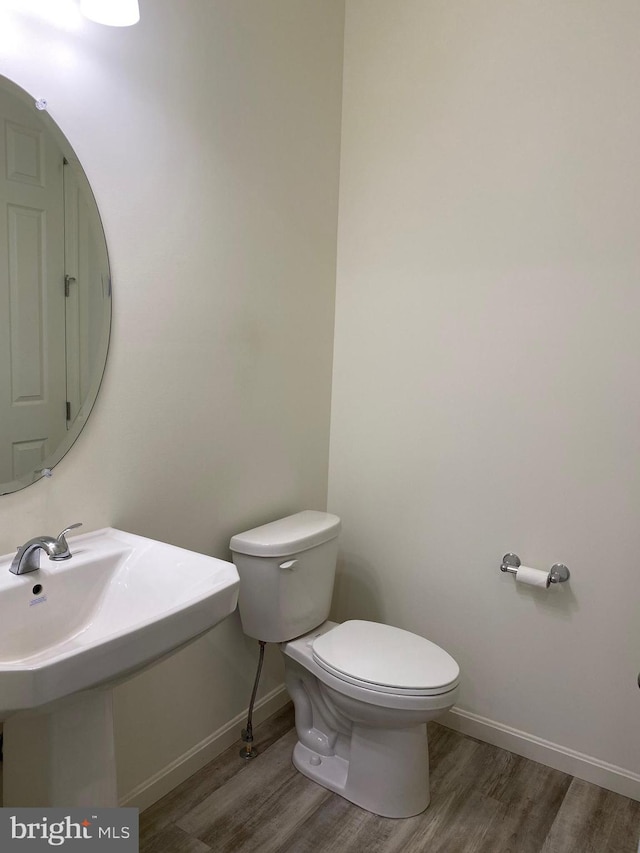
[558, 573]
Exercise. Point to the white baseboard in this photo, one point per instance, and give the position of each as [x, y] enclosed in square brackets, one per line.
[554, 755]
[156, 786]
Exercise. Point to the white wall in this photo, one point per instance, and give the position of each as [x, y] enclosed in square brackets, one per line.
[485, 385]
[210, 135]
[485, 394]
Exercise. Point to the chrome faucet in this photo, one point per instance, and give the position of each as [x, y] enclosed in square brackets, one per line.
[28, 557]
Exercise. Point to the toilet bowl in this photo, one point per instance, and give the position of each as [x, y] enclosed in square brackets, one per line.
[363, 692]
[364, 740]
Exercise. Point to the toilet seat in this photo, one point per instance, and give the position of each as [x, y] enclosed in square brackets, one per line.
[385, 659]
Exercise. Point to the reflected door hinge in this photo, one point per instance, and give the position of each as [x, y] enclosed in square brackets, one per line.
[68, 410]
[68, 281]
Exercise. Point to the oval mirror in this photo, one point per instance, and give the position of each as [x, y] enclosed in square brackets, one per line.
[55, 292]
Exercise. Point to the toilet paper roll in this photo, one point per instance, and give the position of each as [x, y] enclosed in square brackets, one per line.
[532, 577]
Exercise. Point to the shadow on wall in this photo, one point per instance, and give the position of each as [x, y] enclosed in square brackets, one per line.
[356, 594]
[559, 600]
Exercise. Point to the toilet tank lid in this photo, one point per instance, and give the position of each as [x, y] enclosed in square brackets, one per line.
[288, 535]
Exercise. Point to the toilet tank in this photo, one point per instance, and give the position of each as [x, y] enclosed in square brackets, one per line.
[287, 569]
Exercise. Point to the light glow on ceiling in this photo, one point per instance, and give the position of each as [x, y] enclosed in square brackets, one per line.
[113, 13]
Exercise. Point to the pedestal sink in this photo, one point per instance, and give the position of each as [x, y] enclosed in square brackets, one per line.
[73, 629]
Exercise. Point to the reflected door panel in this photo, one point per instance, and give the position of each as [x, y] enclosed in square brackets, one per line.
[32, 300]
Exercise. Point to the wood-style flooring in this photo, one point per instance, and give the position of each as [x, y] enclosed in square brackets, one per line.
[483, 800]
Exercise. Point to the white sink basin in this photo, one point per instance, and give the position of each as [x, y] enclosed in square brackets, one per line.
[121, 602]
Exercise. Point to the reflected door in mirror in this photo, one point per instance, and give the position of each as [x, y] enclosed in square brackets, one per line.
[32, 302]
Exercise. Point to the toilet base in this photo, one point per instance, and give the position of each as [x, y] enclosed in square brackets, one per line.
[330, 771]
[387, 772]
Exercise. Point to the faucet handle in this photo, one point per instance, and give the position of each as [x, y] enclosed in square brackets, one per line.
[62, 551]
[67, 529]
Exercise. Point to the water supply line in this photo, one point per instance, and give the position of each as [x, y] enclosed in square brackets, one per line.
[248, 750]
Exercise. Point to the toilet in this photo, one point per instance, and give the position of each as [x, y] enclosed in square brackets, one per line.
[363, 692]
